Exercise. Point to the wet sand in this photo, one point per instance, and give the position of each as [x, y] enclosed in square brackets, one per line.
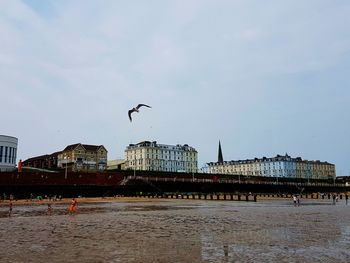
[158, 230]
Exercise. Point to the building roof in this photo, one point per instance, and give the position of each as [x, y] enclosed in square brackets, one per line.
[41, 157]
[37, 158]
[268, 159]
[3, 135]
[87, 147]
[154, 144]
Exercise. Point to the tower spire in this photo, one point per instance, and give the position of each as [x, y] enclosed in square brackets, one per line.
[220, 158]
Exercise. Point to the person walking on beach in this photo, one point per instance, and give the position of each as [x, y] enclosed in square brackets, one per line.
[73, 206]
[10, 208]
[333, 199]
[298, 200]
[295, 200]
[346, 199]
[49, 209]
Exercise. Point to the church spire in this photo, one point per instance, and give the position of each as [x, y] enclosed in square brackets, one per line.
[220, 158]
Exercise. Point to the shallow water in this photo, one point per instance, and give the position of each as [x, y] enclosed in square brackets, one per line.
[177, 231]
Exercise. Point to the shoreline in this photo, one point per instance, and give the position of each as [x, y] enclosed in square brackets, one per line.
[81, 200]
[87, 200]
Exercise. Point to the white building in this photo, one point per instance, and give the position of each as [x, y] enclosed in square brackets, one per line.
[151, 156]
[279, 166]
[8, 152]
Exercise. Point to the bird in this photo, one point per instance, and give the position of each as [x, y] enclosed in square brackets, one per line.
[136, 109]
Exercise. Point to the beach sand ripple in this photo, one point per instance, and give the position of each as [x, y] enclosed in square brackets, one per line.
[176, 231]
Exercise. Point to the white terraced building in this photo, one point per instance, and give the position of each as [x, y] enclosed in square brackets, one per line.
[150, 156]
[279, 166]
[8, 152]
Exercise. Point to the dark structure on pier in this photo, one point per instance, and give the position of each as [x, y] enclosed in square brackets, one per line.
[128, 182]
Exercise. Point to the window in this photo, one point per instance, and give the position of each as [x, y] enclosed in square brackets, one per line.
[5, 154]
[10, 155]
[14, 155]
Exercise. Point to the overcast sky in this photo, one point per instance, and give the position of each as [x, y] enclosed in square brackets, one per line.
[264, 77]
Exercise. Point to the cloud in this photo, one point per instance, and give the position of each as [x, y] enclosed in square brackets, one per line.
[245, 72]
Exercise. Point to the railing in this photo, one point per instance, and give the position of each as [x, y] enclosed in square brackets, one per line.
[225, 181]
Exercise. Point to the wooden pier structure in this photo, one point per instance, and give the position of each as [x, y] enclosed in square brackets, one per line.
[165, 184]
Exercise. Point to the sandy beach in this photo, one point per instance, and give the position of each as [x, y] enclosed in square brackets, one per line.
[175, 230]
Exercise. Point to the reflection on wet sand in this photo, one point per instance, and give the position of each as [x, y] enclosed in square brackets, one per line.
[176, 231]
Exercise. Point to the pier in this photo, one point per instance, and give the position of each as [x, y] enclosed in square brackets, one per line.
[164, 185]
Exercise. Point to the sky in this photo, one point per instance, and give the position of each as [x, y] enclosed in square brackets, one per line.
[263, 77]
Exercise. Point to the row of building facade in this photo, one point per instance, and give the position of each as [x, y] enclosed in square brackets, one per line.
[151, 156]
[75, 157]
[145, 155]
[279, 166]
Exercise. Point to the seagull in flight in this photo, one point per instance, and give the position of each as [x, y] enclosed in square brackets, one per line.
[136, 109]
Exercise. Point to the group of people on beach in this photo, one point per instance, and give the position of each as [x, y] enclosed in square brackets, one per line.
[335, 198]
[71, 210]
[73, 205]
